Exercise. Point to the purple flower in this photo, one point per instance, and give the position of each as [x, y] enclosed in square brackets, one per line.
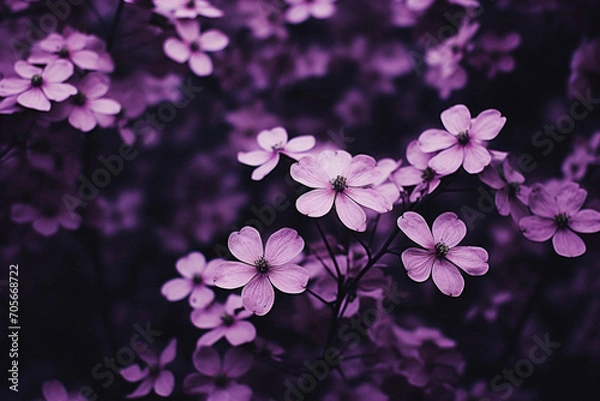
[197, 276]
[341, 179]
[225, 321]
[37, 87]
[47, 216]
[188, 9]
[54, 390]
[419, 174]
[512, 196]
[193, 46]
[70, 47]
[274, 142]
[464, 140]
[441, 257]
[263, 268]
[217, 379]
[558, 216]
[493, 53]
[154, 375]
[301, 10]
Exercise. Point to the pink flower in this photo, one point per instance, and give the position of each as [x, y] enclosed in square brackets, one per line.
[217, 378]
[385, 185]
[197, 276]
[154, 375]
[511, 196]
[559, 216]
[260, 269]
[225, 321]
[54, 390]
[273, 142]
[193, 46]
[188, 9]
[441, 257]
[301, 10]
[37, 87]
[47, 216]
[341, 179]
[419, 174]
[463, 142]
[71, 47]
[89, 107]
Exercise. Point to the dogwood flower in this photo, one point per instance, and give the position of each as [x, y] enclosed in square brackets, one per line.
[463, 142]
[274, 142]
[559, 216]
[301, 10]
[72, 46]
[424, 178]
[441, 257]
[197, 277]
[343, 180]
[512, 196]
[188, 9]
[261, 269]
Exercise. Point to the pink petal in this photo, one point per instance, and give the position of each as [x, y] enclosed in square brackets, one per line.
[34, 99]
[418, 158]
[541, 203]
[176, 50]
[149, 357]
[307, 171]
[471, 259]
[351, 215]
[407, 176]
[487, 125]
[76, 41]
[297, 14]
[537, 228]
[13, 86]
[271, 139]
[490, 176]
[58, 92]
[188, 29]
[213, 40]
[568, 244]
[201, 297]
[143, 389]
[334, 162]
[105, 106]
[456, 119]
[230, 275]
[201, 64]
[476, 157]
[134, 373]
[208, 318]
[237, 362]
[434, 140]
[418, 263]
[94, 85]
[240, 332]
[52, 43]
[283, 246]
[369, 197]
[237, 392]
[361, 171]
[449, 229]
[414, 226]
[300, 144]
[26, 70]
[85, 59]
[246, 244]
[82, 119]
[197, 383]
[255, 157]
[233, 303]
[322, 10]
[54, 391]
[447, 161]
[169, 353]
[164, 383]
[190, 265]
[21, 213]
[45, 226]
[176, 289]
[207, 10]
[258, 295]
[510, 174]
[57, 71]
[502, 203]
[211, 337]
[585, 221]
[570, 198]
[207, 361]
[290, 278]
[316, 203]
[447, 278]
[260, 172]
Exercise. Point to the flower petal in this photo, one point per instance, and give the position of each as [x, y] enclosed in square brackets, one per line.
[13, 86]
[300, 144]
[487, 125]
[414, 226]
[237, 362]
[433, 140]
[213, 40]
[334, 162]
[176, 289]
[361, 171]
[82, 119]
[449, 229]
[208, 318]
[164, 383]
[197, 383]
[471, 259]
[188, 29]
[416, 157]
[57, 71]
[585, 221]
[316, 203]
[538, 229]
[85, 59]
[541, 203]
[282, 246]
[447, 278]
[447, 161]
[476, 158]
[307, 171]
[240, 332]
[258, 295]
[58, 92]
[456, 119]
[290, 278]
[255, 157]
[369, 197]
[105, 106]
[490, 176]
[54, 390]
[201, 297]
[351, 215]
[570, 198]
[230, 275]
[260, 172]
[190, 265]
[143, 389]
[407, 176]
[26, 70]
[201, 64]
[211, 337]
[207, 361]
[568, 244]
[418, 263]
[169, 353]
[510, 174]
[246, 244]
[176, 50]
[34, 99]
[133, 373]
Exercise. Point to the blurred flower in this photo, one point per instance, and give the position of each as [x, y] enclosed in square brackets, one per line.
[419, 174]
[492, 52]
[55, 391]
[71, 46]
[512, 196]
[197, 277]
[300, 10]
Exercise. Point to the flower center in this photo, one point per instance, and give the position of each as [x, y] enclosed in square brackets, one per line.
[37, 81]
[194, 46]
[80, 99]
[339, 184]
[154, 371]
[63, 53]
[277, 146]
[428, 174]
[463, 137]
[220, 380]
[191, 4]
[441, 249]
[262, 265]
[197, 280]
[227, 319]
[562, 220]
[513, 189]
